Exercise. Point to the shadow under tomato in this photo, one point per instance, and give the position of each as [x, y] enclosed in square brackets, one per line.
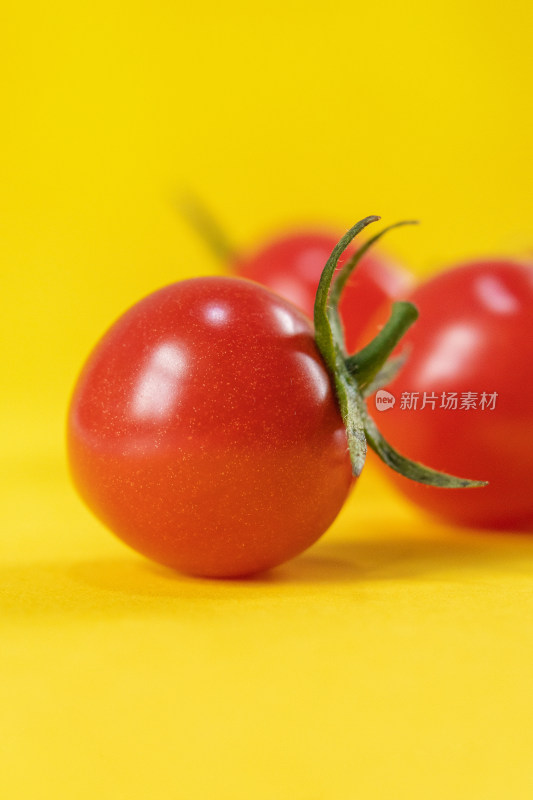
[131, 586]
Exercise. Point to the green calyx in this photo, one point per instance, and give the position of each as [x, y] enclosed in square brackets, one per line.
[358, 376]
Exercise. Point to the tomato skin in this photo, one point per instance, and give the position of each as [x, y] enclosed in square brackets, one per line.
[292, 264]
[474, 334]
[204, 430]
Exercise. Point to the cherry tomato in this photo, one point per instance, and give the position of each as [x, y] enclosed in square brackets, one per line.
[205, 432]
[469, 371]
[292, 264]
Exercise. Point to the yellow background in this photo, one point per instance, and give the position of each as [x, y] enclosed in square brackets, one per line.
[391, 661]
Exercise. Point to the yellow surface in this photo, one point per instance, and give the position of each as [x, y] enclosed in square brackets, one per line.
[393, 660]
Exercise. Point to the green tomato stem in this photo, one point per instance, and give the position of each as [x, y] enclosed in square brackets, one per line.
[411, 469]
[208, 228]
[366, 364]
[386, 374]
[355, 375]
[343, 276]
[330, 341]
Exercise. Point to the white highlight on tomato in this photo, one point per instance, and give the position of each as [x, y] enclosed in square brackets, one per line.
[216, 313]
[318, 383]
[285, 321]
[453, 353]
[156, 391]
[496, 296]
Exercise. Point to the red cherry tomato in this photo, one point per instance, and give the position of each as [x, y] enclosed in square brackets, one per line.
[204, 429]
[292, 264]
[472, 345]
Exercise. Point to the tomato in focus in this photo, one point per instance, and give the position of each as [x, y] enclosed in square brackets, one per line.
[292, 264]
[470, 363]
[204, 430]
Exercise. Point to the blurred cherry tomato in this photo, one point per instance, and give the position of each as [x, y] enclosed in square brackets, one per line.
[464, 399]
[205, 432]
[292, 264]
